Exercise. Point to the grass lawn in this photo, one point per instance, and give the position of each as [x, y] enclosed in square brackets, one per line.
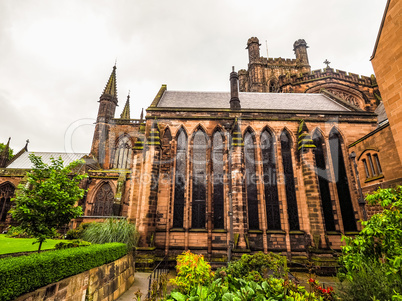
[14, 245]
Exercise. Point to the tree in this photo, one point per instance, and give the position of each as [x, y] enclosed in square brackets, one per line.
[10, 151]
[48, 201]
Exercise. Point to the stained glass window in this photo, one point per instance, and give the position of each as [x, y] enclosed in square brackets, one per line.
[251, 182]
[341, 179]
[180, 180]
[199, 180]
[217, 168]
[286, 146]
[103, 201]
[323, 180]
[123, 153]
[270, 181]
[6, 193]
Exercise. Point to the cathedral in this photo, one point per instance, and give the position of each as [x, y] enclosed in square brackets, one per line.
[281, 162]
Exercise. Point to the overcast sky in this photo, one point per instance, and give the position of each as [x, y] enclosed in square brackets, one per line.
[56, 56]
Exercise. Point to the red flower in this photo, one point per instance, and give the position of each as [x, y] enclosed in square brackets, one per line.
[311, 280]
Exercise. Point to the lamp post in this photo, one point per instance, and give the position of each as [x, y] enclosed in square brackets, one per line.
[361, 200]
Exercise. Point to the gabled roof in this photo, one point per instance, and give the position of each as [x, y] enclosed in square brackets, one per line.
[23, 161]
[250, 100]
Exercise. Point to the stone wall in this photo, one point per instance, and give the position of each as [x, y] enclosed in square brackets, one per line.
[107, 282]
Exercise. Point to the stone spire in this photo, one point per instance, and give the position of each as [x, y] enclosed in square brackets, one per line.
[4, 154]
[111, 87]
[126, 111]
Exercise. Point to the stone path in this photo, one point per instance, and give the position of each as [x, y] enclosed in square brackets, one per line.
[140, 282]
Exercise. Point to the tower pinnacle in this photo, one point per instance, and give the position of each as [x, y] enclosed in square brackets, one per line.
[126, 111]
[111, 87]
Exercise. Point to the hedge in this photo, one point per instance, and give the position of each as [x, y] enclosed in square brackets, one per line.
[19, 275]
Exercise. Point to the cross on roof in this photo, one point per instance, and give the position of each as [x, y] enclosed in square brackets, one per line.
[327, 63]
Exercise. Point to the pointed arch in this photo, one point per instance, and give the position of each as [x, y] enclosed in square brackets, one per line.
[341, 179]
[123, 152]
[103, 201]
[199, 178]
[270, 179]
[180, 178]
[286, 148]
[7, 191]
[251, 178]
[218, 178]
[323, 179]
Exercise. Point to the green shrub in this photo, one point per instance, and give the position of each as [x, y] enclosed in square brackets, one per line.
[19, 275]
[112, 230]
[71, 244]
[192, 270]
[78, 232]
[264, 264]
[17, 232]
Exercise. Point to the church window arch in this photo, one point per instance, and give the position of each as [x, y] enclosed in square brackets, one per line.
[123, 153]
[286, 147]
[180, 179]
[103, 201]
[323, 181]
[199, 179]
[218, 179]
[6, 193]
[338, 163]
[251, 181]
[270, 180]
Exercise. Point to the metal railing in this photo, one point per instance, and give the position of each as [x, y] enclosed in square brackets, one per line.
[161, 269]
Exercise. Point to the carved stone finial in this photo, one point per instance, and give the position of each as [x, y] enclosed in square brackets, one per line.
[327, 63]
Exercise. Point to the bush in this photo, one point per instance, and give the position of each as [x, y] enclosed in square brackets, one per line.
[264, 264]
[17, 232]
[112, 230]
[192, 270]
[78, 232]
[71, 244]
[19, 275]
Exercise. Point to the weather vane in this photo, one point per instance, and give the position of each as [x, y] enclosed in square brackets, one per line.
[327, 63]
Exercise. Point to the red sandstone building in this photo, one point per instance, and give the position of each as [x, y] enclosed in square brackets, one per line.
[271, 163]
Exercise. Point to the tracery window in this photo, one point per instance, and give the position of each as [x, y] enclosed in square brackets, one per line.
[123, 153]
[180, 180]
[286, 147]
[270, 181]
[341, 179]
[377, 163]
[366, 168]
[6, 193]
[373, 167]
[251, 182]
[323, 182]
[103, 201]
[217, 168]
[199, 180]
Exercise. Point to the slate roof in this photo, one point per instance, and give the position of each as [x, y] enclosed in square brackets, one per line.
[23, 161]
[250, 100]
[382, 114]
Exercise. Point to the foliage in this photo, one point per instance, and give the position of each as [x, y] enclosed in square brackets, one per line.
[264, 264]
[19, 275]
[14, 245]
[10, 151]
[71, 244]
[327, 293]
[192, 270]
[377, 250]
[112, 230]
[78, 232]
[16, 232]
[48, 201]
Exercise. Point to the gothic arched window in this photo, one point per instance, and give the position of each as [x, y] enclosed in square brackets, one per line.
[345, 201]
[180, 180]
[123, 153]
[270, 183]
[323, 180]
[103, 201]
[251, 182]
[286, 146]
[217, 167]
[6, 193]
[199, 180]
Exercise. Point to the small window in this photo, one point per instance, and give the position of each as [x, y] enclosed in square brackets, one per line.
[371, 165]
[366, 168]
[377, 163]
